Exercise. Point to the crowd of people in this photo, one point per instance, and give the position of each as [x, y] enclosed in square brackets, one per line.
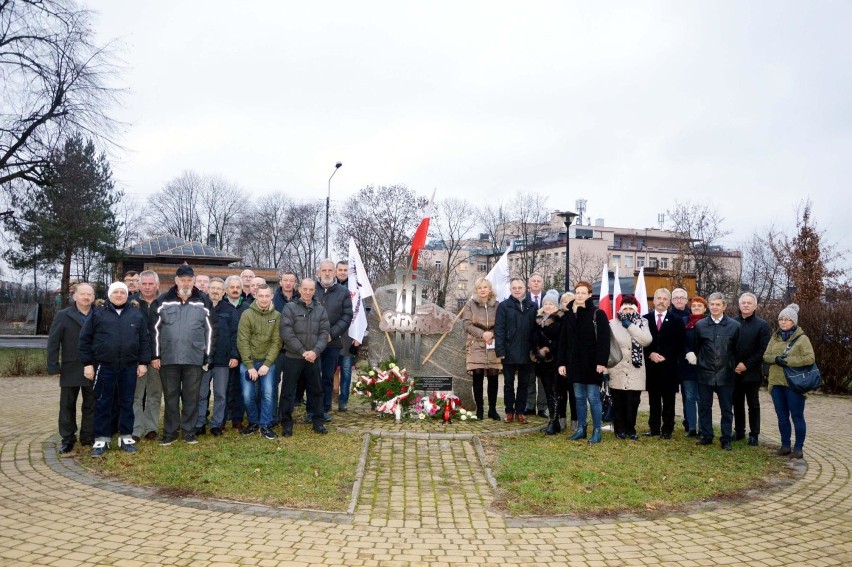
[257, 351]
[555, 353]
[261, 352]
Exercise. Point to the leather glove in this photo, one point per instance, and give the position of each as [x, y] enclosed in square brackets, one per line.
[780, 361]
[691, 358]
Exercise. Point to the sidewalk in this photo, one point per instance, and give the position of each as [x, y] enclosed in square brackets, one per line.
[423, 502]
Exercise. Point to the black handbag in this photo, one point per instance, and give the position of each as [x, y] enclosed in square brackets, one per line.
[606, 402]
[801, 379]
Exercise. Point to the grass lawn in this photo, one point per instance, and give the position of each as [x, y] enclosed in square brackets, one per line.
[306, 471]
[551, 475]
[23, 362]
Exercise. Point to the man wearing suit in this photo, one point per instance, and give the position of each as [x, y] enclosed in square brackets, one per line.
[661, 358]
[535, 401]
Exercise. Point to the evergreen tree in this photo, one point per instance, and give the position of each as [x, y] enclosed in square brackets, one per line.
[72, 212]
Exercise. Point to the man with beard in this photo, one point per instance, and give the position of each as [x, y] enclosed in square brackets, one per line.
[184, 341]
[338, 305]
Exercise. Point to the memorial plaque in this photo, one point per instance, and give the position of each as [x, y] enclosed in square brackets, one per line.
[433, 383]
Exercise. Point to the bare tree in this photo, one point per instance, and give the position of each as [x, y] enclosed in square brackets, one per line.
[223, 204]
[584, 265]
[493, 221]
[382, 220]
[55, 80]
[762, 273]
[306, 247]
[701, 226]
[176, 208]
[529, 224]
[451, 228]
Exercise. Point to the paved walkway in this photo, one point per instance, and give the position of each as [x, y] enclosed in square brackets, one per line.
[48, 518]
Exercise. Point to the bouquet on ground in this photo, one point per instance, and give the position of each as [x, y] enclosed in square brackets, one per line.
[443, 406]
[389, 388]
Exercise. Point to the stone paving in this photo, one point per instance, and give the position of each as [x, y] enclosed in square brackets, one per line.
[50, 516]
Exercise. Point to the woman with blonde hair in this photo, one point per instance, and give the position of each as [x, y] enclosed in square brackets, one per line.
[478, 320]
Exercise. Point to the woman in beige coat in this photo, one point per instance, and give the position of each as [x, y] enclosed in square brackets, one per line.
[478, 320]
[627, 378]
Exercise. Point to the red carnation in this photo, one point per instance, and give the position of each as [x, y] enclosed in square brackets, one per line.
[404, 389]
[389, 393]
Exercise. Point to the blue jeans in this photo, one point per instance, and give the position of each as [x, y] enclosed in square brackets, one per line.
[789, 404]
[689, 393]
[219, 376]
[346, 362]
[114, 385]
[257, 395]
[590, 393]
[328, 364]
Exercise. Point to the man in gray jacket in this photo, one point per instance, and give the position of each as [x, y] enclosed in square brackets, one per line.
[304, 331]
[338, 304]
[184, 336]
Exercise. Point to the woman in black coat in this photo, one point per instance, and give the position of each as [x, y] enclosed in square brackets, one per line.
[543, 348]
[583, 356]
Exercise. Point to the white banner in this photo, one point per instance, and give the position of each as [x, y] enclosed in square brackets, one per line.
[359, 290]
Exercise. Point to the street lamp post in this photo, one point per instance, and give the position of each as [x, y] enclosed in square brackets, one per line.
[567, 217]
[328, 206]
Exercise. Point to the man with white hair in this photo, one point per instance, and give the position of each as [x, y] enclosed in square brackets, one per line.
[149, 388]
[235, 409]
[184, 344]
[754, 337]
[247, 277]
[338, 306]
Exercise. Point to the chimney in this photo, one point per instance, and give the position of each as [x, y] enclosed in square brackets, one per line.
[211, 240]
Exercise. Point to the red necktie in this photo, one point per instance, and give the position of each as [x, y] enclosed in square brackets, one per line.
[659, 321]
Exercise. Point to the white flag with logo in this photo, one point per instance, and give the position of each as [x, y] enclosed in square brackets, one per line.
[359, 290]
[499, 277]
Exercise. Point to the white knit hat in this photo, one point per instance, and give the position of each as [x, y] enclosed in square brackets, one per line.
[790, 312]
[116, 285]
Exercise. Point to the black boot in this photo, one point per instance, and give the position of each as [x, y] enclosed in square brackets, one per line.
[492, 397]
[477, 394]
[552, 425]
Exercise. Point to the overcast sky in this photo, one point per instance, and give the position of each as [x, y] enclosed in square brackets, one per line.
[745, 105]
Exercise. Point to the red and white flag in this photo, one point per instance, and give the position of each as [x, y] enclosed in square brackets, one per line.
[616, 294]
[359, 290]
[640, 292]
[419, 239]
[605, 302]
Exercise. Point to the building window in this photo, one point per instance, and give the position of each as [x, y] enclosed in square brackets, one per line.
[628, 261]
[654, 263]
[481, 268]
[438, 264]
[641, 244]
[462, 285]
[640, 262]
[617, 242]
[616, 260]
[664, 263]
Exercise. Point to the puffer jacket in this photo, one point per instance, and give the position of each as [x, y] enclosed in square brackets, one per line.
[802, 354]
[303, 328]
[114, 339]
[258, 336]
[478, 317]
[338, 305]
[512, 330]
[717, 349]
[754, 337]
[183, 332]
[625, 376]
[582, 348]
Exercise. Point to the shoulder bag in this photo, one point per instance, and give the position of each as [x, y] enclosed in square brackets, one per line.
[801, 379]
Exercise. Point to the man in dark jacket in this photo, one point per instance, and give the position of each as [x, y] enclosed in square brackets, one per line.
[234, 407]
[149, 388]
[754, 336]
[226, 357]
[512, 331]
[717, 339]
[304, 332]
[115, 340]
[63, 362]
[184, 345]
[661, 361]
[338, 304]
[285, 293]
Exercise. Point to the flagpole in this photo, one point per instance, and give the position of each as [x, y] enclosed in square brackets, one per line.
[387, 335]
[425, 360]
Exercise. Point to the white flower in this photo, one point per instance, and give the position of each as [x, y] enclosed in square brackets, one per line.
[463, 417]
[422, 416]
[372, 373]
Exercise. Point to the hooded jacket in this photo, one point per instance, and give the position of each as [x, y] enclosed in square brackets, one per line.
[183, 332]
[802, 354]
[258, 338]
[115, 339]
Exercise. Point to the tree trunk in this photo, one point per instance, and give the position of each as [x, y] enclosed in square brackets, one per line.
[66, 275]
